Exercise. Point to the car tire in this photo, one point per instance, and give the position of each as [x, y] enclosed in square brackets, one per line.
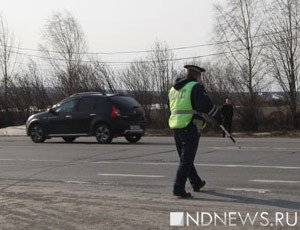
[133, 138]
[103, 134]
[37, 134]
[69, 139]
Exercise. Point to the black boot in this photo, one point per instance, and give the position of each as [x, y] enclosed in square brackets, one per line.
[201, 185]
[183, 194]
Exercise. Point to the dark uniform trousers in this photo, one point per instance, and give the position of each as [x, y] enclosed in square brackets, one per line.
[186, 140]
[227, 125]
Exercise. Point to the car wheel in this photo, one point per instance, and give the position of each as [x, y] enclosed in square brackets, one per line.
[37, 134]
[69, 139]
[133, 138]
[103, 134]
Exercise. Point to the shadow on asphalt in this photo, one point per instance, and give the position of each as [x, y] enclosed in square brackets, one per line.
[230, 198]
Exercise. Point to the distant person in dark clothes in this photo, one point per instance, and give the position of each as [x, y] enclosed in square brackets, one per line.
[227, 111]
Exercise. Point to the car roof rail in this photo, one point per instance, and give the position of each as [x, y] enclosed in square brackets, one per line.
[86, 93]
[121, 93]
[100, 93]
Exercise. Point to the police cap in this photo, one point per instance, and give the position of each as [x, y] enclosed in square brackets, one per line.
[195, 68]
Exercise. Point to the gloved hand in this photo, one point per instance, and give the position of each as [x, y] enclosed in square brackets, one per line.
[219, 117]
[200, 123]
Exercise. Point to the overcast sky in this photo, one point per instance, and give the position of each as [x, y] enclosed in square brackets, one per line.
[118, 25]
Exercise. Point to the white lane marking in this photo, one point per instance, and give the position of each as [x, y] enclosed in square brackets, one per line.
[205, 165]
[46, 160]
[132, 162]
[129, 175]
[266, 148]
[276, 181]
[84, 182]
[250, 166]
[163, 163]
[32, 160]
[249, 190]
[76, 182]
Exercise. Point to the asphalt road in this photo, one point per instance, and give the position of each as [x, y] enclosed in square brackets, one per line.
[85, 185]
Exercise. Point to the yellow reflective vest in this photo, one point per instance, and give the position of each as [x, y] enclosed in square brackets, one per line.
[181, 106]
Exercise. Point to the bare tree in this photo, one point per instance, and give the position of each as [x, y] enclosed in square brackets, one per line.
[7, 59]
[64, 47]
[28, 93]
[37, 83]
[88, 79]
[283, 51]
[239, 26]
[137, 78]
[163, 74]
[216, 79]
[106, 77]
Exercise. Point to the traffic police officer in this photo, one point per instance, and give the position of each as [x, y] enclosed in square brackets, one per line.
[187, 100]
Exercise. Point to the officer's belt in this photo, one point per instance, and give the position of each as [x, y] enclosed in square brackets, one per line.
[184, 112]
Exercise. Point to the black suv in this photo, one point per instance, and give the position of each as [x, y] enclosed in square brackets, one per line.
[89, 114]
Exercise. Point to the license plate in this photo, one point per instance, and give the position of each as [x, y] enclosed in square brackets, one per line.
[135, 127]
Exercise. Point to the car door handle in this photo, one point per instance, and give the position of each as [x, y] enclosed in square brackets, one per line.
[92, 114]
[69, 116]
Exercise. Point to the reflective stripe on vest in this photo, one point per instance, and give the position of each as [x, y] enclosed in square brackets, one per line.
[181, 106]
[184, 112]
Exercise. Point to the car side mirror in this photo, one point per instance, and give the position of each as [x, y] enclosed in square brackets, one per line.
[51, 110]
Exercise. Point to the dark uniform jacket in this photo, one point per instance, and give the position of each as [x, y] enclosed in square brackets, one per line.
[227, 111]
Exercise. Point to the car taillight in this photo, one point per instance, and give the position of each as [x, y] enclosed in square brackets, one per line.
[115, 112]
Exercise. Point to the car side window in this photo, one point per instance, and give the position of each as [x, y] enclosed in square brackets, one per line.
[102, 105]
[66, 107]
[86, 104]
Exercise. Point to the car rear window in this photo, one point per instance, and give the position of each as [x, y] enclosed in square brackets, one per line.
[125, 101]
